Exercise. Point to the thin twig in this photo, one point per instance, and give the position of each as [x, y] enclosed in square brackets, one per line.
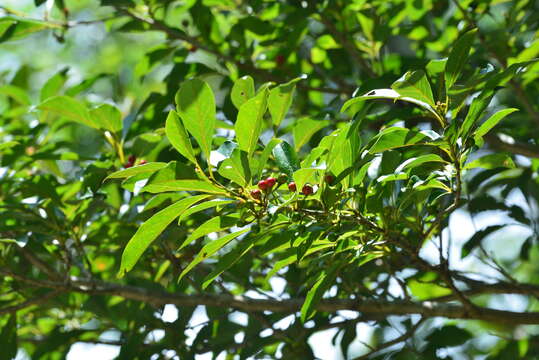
[35, 301]
[395, 341]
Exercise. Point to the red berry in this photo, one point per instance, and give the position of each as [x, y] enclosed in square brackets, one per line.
[280, 60]
[271, 182]
[142, 162]
[131, 159]
[292, 187]
[256, 194]
[329, 179]
[263, 184]
[128, 165]
[307, 189]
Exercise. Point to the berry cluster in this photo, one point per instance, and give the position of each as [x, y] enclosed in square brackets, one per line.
[131, 160]
[265, 186]
[305, 190]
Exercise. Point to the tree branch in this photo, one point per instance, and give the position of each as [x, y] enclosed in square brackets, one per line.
[515, 148]
[30, 302]
[427, 309]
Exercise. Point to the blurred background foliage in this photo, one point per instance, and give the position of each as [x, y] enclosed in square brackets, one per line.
[134, 54]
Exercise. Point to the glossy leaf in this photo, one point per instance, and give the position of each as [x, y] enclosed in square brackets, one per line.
[286, 158]
[135, 170]
[389, 94]
[236, 168]
[418, 161]
[394, 138]
[263, 159]
[280, 99]
[69, 108]
[491, 161]
[215, 224]
[203, 206]
[184, 185]
[415, 85]
[150, 230]
[243, 90]
[196, 106]
[493, 121]
[228, 260]
[458, 57]
[210, 249]
[304, 129]
[107, 117]
[248, 126]
[53, 86]
[178, 137]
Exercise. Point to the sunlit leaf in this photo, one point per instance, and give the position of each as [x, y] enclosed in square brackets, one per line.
[150, 230]
[196, 106]
[210, 249]
[248, 126]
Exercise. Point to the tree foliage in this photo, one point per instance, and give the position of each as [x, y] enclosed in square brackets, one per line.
[273, 170]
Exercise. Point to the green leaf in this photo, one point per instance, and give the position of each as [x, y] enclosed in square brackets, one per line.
[107, 117]
[263, 159]
[389, 94]
[448, 336]
[417, 161]
[304, 129]
[286, 158]
[248, 126]
[150, 230]
[210, 249]
[236, 168]
[480, 103]
[395, 137]
[425, 286]
[184, 185]
[8, 338]
[491, 161]
[215, 224]
[458, 57]
[8, 144]
[201, 207]
[243, 90]
[477, 238]
[16, 93]
[323, 282]
[16, 27]
[280, 99]
[228, 260]
[493, 121]
[414, 84]
[53, 86]
[135, 170]
[69, 108]
[196, 106]
[178, 137]
[306, 175]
